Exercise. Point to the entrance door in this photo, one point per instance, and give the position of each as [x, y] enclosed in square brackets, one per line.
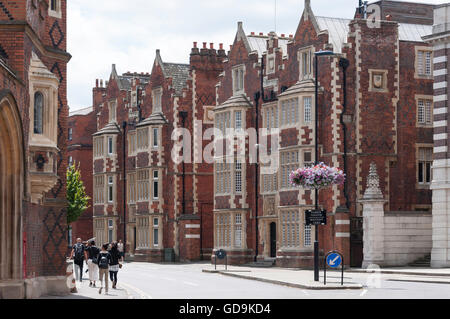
[273, 240]
[356, 241]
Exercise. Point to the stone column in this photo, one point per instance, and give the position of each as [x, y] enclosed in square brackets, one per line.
[373, 214]
[440, 39]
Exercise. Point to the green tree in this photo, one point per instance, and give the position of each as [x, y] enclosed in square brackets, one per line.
[76, 194]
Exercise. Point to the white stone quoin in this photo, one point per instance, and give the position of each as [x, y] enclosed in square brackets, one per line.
[440, 39]
[373, 215]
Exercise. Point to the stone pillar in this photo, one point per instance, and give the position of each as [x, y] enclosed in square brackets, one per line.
[440, 39]
[373, 214]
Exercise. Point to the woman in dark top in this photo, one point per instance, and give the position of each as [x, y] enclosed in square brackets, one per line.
[92, 252]
[114, 264]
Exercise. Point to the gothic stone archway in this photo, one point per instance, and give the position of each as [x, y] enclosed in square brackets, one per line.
[11, 188]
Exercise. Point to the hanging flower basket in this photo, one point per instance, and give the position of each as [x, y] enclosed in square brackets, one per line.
[316, 177]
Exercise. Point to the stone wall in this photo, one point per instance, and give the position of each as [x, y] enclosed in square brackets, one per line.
[407, 237]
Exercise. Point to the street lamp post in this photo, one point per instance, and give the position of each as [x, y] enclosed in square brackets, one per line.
[316, 132]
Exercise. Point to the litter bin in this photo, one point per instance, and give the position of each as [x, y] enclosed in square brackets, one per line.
[169, 255]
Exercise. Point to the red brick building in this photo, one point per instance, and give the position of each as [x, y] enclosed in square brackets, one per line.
[33, 153]
[387, 120]
[163, 208]
[81, 126]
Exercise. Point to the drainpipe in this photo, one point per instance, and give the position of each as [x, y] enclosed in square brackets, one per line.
[183, 115]
[344, 63]
[124, 126]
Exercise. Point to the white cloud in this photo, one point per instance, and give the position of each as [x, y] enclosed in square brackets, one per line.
[127, 33]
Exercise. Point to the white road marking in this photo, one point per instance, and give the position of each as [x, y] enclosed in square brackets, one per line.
[190, 283]
[305, 292]
[169, 279]
[142, 294]
[363, 293]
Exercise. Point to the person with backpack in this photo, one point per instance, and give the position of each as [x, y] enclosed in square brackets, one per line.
[104, 259]
[114, 265]
[92, 252]
[78, 255]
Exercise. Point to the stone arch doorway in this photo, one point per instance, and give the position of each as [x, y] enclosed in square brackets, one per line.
[11, 187]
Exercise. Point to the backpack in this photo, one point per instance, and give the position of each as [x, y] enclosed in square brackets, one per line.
[79, 256]
[103, 261]
[94, 253]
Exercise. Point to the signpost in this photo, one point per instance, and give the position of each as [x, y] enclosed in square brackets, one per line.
[333, 259]
[316, 217]
[221, 254]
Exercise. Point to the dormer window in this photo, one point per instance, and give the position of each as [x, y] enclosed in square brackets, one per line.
[238, 79]
[38, 113]
[157, 95]
[112, 111]
[306, 69]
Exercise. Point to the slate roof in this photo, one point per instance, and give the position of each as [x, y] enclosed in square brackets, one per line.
[83, 111]
[259, 43]
[179, 74]
[338, 30]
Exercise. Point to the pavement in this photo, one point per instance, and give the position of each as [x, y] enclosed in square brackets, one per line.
[86, 292]
[295, 278]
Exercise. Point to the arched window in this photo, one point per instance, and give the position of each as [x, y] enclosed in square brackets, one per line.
[38, 113]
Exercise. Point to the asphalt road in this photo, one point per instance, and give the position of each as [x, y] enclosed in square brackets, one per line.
[186, 281]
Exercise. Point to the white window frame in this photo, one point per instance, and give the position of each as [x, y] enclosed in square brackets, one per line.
[142, 138]
[155, 228]
[289, 112]
[424, 62]
[155, 139]
[155, 185]
[426, 166]
[238, 174]
[157, 100]
[287, 165]
[238, 77]
[110, 189]
[307, 109]
[110, 230]
[309, 72]
[112, 110]
[143, 185]
[55, 12]
[425, 111]
[110, 141]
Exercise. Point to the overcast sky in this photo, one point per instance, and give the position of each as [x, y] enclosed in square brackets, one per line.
[127, 33]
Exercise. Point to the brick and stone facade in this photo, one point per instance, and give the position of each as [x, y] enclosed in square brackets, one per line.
[440, 40]
[387, 121]
[168, 210]
[33, 152]
[81, 127]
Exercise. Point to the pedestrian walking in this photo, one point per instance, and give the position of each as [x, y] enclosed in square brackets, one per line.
[92, 252]
[104, 258]
[79, 256]
[120, 248]
[114, 265]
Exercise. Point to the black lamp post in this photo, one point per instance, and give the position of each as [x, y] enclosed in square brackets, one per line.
[316, 132]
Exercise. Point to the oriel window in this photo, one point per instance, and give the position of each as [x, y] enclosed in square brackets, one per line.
[38, 113]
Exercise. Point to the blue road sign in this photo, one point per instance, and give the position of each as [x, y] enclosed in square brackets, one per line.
[334, 260]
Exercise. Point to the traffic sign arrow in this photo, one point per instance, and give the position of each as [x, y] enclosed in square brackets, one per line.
[332, 262]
